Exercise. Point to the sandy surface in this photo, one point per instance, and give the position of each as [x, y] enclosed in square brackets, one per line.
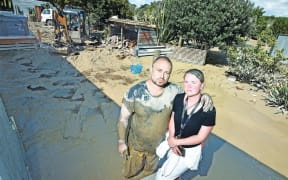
[242, 117]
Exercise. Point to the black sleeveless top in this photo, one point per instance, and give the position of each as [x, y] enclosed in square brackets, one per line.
[194, 123]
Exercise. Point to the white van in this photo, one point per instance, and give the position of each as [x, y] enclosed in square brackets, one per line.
[47, 17]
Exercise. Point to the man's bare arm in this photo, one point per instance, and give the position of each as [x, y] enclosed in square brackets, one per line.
[122, 127]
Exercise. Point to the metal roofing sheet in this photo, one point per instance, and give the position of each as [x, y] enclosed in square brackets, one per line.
[282, 43]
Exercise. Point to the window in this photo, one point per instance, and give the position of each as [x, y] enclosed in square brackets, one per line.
[46, 11]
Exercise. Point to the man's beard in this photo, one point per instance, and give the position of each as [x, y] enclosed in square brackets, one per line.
[159, 85]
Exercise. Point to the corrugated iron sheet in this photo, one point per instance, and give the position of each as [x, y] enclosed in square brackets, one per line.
[282, 43]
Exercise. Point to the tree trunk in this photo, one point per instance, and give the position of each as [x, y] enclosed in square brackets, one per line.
[180, 42]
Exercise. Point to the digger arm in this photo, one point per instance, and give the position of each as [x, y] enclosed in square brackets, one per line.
[61, 20]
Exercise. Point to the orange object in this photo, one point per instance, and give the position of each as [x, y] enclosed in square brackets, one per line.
[38, 13]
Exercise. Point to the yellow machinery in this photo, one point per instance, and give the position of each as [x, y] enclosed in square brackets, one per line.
[72, 23]
[61, 21]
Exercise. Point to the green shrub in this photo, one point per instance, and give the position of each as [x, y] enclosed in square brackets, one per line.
[253, 65]
[278, 96]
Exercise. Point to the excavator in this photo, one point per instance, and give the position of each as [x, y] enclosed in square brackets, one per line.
[72, 23]
[60, 20]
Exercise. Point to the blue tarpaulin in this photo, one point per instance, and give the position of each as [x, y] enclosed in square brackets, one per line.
[136, 69]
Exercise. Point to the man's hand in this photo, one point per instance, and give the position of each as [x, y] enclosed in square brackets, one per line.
[122, 147]
[207, 102]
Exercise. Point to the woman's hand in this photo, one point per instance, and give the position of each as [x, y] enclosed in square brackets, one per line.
[174, 145]
[177, 151]
[172, 141]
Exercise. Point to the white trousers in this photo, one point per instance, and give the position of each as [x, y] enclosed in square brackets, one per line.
[176, 165]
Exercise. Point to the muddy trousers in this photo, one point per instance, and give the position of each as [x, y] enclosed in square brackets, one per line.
[138, 165]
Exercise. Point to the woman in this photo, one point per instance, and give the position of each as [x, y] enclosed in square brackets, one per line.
[189, 126]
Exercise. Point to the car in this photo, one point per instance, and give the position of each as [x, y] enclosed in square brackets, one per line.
[47, 17]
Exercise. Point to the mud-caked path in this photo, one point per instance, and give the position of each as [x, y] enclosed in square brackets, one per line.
[67, 125]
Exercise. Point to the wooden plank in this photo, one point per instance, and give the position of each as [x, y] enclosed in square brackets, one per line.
[6, 40]
[151, 52]
[18, 46]
[151, 47]
[124, 22]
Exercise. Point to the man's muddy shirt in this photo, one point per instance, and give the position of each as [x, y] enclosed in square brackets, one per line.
[151, 115]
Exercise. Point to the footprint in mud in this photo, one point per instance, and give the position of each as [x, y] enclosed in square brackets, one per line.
[36, 88]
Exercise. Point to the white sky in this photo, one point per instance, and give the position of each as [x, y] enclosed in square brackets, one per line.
[271, 7]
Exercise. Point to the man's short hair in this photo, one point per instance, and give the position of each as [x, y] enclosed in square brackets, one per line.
[163, 57]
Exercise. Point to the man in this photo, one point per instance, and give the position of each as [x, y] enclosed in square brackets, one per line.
[149, 105]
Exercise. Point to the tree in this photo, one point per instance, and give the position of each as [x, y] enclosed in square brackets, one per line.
[261, 22]
[165, 20]
[280, 26]
[147, 12]
[139, 12]
[206, 23]
[100, 10]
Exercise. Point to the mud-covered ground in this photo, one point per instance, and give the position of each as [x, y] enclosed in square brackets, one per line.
[68, 126]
